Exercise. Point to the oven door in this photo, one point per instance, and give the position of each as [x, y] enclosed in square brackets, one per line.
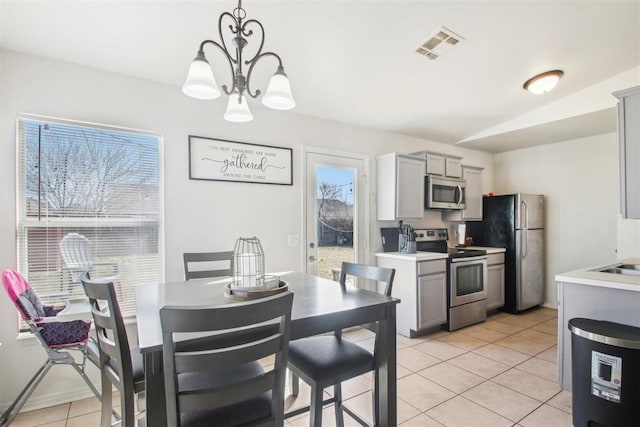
[467, 281]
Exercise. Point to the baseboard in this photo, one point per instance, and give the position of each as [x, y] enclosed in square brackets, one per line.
[53, 399]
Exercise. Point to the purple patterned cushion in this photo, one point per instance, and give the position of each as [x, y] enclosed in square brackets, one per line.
[65, 333]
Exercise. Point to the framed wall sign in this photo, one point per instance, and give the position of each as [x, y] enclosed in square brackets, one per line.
[220, 160]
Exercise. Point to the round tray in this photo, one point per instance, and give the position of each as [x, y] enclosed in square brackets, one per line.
[246, 294]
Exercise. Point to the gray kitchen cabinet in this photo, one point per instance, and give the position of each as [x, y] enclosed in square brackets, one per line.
[421, 286]
[400, 187]
[432, 298]
[495, 281]
[473, 197]
[441, 164]
[629, 151]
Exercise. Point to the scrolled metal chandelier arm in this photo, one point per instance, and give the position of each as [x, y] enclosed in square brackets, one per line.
[252, 64]
[230, 60]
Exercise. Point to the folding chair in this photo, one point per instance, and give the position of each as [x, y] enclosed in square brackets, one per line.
[55, 336]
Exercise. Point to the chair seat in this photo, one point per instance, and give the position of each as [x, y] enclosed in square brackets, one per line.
[137, 365]
[328, 360]
[241, 413]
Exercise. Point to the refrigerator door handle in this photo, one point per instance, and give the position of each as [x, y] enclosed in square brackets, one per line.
[524, 213]
[525, 244]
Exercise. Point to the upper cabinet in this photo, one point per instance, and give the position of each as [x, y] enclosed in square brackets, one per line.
[400, 189]
[629, 142]
[473, 197]
[441, 164]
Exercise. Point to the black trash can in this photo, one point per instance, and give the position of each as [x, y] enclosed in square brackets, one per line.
[605, 361]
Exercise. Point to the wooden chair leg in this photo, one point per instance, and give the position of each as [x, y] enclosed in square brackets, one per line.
[315, 411]
[376, 391]
[337, 393]
[128, 409]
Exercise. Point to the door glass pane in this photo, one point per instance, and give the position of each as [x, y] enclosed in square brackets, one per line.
[335, 218]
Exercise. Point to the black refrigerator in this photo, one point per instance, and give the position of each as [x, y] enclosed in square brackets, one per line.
[515, 222]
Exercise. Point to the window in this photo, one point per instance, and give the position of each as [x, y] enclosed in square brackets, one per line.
[102, 186]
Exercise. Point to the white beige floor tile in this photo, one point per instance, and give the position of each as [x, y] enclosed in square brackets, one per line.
[549, 327]
[483, 333]
[401, 371]
[479, 365]
[421, 420]
[561, 401]
[541, 368]
[531, 385]
[550, 354]
[355, 386]
[85, 406]
[358, 334]
[440, 350]
[421, 393]
[547, 416]
[362, 405]
[62, 423]
[42, 416]
[87, 420]
[502, 400]
[523, 345]
[461, 412]
[449, 376]
[538, 337]
[414, 359]
[464, 341]
[505, 328]
[518, 320]
[502, 354]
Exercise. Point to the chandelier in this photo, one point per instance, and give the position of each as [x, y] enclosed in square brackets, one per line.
[201, 84]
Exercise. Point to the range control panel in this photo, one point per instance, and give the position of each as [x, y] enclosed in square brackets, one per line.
[431, 234]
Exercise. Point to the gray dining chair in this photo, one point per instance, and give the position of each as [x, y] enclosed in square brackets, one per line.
[120, 365]
[219, 380]
[198, 265]
[328, 360]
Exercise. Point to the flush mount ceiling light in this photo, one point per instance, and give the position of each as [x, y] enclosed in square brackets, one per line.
[543, 83]
[201, 84]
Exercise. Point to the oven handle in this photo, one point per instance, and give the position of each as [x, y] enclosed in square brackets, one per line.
[469, 259]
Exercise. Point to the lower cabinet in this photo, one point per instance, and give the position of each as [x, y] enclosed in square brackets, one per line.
[421, 287]
[432, 300]
[495, 281]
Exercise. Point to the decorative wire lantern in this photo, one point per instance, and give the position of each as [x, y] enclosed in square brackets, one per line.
[248, 266]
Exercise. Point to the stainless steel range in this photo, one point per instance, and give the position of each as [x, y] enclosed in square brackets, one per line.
[466, 277]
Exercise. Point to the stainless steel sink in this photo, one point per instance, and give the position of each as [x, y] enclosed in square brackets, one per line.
[626, 269]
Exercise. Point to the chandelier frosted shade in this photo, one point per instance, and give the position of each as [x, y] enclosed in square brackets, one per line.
[238, 111]
[278, 94]
[200, 82]
[543, 83]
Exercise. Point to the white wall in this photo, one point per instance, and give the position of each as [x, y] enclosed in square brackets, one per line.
[579, 179]
[199, 215]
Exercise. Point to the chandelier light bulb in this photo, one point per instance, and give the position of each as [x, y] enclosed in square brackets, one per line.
[278, 94]
[238, 111]
[543, 83]
[200, 82]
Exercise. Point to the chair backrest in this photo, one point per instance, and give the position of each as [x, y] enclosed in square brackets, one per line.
[75, 250]
[371, 272]
[22, 295]
[207, 260]
[241, 339]
[115, 353]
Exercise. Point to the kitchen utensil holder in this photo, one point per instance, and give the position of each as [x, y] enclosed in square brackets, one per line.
[405, 245]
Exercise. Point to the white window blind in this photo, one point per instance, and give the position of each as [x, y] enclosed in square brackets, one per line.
[103, 184]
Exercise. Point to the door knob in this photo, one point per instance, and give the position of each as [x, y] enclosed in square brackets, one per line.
[312, 258]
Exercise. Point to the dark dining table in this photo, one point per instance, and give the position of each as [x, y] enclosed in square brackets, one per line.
[319, 306]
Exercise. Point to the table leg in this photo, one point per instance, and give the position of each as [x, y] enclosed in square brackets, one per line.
[385, 376]
[156, 412]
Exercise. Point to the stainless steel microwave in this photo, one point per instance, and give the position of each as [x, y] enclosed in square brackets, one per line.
[443, 193]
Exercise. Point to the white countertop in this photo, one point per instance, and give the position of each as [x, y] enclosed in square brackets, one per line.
[587, 276]
[419, 256]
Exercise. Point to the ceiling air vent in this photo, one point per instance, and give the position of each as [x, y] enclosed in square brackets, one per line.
[439, 43]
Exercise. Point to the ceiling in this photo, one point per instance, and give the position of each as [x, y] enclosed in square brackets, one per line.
[355, 61]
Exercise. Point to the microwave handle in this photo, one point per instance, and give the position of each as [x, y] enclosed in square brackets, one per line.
[459, 195]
